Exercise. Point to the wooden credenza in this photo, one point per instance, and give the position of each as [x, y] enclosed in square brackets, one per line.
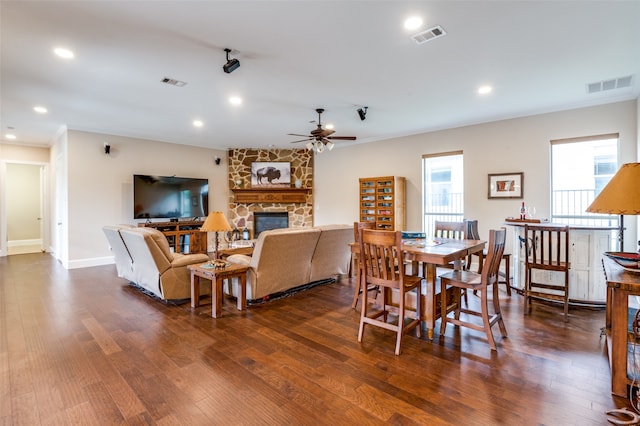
[620, 285]
[382, 200]
[183, 236]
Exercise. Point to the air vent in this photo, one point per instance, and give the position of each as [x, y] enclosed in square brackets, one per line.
[428, 35]
[173, 82]
[616, 83]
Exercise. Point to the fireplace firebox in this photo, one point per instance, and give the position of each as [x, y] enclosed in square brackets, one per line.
[263, 221]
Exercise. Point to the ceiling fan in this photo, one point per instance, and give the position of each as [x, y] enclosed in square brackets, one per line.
[319, 137]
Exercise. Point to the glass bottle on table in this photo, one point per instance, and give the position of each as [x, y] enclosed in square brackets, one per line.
[523, 212]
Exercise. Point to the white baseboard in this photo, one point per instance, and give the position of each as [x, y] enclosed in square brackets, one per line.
[24, 246]
[21, 243]
[87, 263]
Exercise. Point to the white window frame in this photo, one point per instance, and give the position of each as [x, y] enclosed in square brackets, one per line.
[453, 211]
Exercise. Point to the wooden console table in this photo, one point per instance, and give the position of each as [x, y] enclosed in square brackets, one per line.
[183, 236]
[620, 285]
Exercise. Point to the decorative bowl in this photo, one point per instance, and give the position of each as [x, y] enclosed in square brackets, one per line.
[624, 259]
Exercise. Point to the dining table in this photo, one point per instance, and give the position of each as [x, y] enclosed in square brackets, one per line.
[426, 254]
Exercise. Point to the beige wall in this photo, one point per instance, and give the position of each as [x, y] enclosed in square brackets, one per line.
[100, 186]
[516, 145]
[20, 153]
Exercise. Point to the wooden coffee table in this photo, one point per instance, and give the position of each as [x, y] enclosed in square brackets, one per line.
[217, 277]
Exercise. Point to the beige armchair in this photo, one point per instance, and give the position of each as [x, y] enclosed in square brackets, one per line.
[155, 268]
[121, 255]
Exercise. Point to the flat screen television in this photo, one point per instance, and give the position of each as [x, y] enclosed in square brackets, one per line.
[169, 197]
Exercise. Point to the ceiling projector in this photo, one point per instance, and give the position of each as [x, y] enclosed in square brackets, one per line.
[231, 65]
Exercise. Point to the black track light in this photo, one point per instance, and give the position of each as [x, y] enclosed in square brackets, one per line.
[362, 113]
[231, 65]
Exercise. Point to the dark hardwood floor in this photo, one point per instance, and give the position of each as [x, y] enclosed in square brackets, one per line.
[83, 347]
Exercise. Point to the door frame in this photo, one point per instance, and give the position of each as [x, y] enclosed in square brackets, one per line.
[44, 204]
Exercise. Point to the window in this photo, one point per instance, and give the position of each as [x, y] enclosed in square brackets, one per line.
[580, 168]
[443, 188]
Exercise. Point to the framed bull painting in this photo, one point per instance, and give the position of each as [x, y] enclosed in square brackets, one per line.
[270, 174]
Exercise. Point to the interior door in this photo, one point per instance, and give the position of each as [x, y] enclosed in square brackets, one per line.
[24, 208]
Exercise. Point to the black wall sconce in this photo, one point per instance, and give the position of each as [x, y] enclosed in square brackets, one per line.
[362, 113]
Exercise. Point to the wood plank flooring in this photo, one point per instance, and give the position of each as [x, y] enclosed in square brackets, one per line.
[83, 347]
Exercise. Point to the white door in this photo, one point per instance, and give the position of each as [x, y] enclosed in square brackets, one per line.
[24, 208]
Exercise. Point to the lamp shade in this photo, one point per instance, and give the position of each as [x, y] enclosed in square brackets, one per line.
[216, 222]
[622, 194]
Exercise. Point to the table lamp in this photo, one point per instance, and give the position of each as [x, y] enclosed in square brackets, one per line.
[620, 196]
[216, 222]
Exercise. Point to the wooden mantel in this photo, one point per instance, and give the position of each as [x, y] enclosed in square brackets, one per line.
[270, 195]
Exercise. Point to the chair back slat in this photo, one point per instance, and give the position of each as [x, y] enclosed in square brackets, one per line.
[454, 230]
[472, 230]
[497, 238]
[547, 247]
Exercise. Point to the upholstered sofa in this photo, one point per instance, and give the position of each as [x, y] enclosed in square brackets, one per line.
[284, 259]
[143, 257]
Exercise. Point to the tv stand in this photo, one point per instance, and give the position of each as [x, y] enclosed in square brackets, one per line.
[183, 236]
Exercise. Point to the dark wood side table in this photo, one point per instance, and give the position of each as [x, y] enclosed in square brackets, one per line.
[217, 277]
[620, 285]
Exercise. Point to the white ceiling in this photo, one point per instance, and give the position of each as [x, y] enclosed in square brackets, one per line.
[297, 56]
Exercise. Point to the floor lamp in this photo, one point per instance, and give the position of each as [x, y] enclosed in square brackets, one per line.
[620, 196]
[216, 222]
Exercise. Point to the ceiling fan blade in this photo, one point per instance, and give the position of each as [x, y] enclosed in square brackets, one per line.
[326, 132]
[342, 138]
[303, 140]
[296, 134]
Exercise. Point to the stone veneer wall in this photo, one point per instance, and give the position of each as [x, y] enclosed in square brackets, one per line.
[300, 214]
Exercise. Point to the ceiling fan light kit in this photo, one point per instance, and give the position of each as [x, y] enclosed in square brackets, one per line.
[231, 65]
[321, 138]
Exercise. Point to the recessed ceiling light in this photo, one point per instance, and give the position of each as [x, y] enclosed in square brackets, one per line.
[330, 126]
[483, 90]
[198, 123]
[40, 109]
[63, 53]
[413, 23]
[235, 100]
[10, 136]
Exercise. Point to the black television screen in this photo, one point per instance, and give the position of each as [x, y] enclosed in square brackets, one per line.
[169, 197]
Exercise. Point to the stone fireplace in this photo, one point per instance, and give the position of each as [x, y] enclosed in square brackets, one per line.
[299, 212]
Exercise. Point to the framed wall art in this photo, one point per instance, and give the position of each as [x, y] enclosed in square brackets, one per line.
[270, 174]
[506, 185]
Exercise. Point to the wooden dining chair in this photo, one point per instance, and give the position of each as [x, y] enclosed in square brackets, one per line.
[380, 253]
[357, 226]
[456, 231]
[457, 281]
[547, 249]
[473, 234]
